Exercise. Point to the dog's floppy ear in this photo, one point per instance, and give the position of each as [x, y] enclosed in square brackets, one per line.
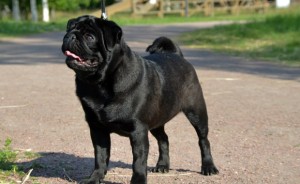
[112, 33]
[71, 24]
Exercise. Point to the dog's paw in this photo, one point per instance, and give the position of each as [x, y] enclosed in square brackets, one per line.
[209, 170]
[97, 177]
[160, 169]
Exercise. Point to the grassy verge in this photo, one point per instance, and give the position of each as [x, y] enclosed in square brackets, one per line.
[10, 172]
[11, 28]
[276, 38]
[126, 19]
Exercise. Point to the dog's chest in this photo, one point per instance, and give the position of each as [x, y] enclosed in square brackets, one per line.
[92, 98]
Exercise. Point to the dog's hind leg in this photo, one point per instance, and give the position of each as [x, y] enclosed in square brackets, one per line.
[197, 115]
[163, 163]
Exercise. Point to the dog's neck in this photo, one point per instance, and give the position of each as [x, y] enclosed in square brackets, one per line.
[127, 71]
[123, 70]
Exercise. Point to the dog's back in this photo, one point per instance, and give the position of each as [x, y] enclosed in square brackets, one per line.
[164, 45]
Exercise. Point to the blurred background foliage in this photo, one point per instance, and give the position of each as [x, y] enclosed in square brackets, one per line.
[6, 7]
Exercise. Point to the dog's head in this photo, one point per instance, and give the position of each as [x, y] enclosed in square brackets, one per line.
[89, 43]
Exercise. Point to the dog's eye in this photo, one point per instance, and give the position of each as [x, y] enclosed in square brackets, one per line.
[89, 37]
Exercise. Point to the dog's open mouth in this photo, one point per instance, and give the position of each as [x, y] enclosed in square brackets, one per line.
[81, 61]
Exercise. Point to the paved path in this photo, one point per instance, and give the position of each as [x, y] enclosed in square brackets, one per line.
[253, 110]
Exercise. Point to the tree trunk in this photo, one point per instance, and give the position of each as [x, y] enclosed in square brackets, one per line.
[45, 11]
[34, 15]
[16, 10]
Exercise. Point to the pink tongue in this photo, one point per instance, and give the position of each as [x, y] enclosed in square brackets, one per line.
[68, 53]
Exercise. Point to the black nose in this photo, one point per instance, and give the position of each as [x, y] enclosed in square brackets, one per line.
[70, 37]
[68, 41]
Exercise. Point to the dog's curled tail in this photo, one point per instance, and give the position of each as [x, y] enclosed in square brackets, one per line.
[164, 45]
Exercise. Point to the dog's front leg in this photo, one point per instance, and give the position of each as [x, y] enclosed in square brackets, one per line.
[140, 148]
[101, 143]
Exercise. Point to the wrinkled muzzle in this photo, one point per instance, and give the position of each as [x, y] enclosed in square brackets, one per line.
[78, 55]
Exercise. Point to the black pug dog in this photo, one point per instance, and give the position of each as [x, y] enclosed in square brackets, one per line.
[124, 93]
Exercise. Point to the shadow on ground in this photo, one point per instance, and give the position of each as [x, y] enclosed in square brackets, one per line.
[215, 61]
[65, 166]
[30, 53]
[46, 50]
[71, 167]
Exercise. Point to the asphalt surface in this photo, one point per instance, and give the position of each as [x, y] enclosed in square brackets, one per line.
[253, 108]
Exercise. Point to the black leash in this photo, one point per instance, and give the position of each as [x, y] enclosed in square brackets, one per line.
[103, 14]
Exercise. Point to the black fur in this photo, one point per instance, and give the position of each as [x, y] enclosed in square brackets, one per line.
[164, 45]
[124, 93]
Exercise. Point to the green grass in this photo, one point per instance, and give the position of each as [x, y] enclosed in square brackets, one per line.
[277, 38]
[11, 28]
[10, 172]
[126, 19]
[7, 156]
